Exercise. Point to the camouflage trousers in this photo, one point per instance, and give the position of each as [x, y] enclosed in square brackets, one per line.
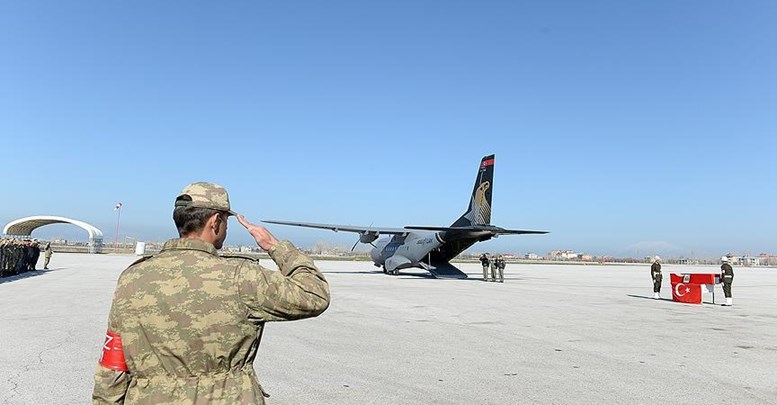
[485, 272]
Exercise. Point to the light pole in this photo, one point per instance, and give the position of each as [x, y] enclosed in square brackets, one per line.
[118, 220]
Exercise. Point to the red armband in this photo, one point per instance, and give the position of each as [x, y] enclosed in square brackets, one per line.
[113, 353]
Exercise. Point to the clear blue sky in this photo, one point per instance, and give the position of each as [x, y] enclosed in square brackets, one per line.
[624, 127]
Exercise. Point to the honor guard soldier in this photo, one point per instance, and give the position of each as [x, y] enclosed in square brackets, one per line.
[485, 263]
[655, 274]
[726, 276]
[185, 324]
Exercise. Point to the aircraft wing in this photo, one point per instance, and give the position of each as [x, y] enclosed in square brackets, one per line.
[476, 228]
[346, 228]
[520, 232]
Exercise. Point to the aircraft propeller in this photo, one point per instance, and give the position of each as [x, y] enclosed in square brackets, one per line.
[366, 237]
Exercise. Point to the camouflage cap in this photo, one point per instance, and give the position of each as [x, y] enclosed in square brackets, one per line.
[204, 195]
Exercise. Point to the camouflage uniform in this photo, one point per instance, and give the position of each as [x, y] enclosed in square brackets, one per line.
[23, 257]
[47, 255]
[3, 256]
[35, 247]
[190, 322]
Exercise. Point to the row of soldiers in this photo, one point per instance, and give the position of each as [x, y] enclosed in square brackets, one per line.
[18, 256]
[497, 264]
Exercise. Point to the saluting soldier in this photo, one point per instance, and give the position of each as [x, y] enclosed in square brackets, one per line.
[25, 256]
[485, 263]
[35, 254]
[655, 274]
[7, 257]
[18, 259]
[47, 252]
[727, 276]
[185, 324]
[2, 257]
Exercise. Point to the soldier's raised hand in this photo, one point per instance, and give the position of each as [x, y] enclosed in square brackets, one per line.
[261, 235]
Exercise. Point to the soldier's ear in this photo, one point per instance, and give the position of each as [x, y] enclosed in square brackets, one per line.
[214, 222]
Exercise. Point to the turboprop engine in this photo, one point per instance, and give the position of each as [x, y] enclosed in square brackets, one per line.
[366, 237]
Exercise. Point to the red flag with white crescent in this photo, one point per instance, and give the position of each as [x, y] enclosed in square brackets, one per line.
[688, 293]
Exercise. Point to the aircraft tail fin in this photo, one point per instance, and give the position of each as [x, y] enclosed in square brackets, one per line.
[479, 209]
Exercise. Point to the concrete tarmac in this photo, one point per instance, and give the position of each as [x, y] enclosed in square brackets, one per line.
[551, 334]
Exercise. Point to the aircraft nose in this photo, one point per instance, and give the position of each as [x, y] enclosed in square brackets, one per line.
[375, 255]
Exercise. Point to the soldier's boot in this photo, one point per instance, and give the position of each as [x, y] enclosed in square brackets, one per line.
[729, 302]
[656, 296]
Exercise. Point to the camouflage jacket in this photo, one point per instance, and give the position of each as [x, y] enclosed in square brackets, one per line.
[190, 323]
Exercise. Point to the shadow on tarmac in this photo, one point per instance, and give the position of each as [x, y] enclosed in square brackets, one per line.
[26, 274]
[421, 275]
[649, 297]
[667, 299]
[418, 275]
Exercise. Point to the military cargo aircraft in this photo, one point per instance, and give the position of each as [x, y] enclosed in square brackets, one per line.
[431, 247]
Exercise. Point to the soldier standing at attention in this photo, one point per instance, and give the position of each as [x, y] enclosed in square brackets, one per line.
[186, 323]
[35, 254]
[655, 273]
[500, 265]
[47, 252]
[485, 263]
[494, 267]
[727, 276]
[2, 257]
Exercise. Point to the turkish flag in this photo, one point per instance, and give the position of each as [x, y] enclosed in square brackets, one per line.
[688, 293]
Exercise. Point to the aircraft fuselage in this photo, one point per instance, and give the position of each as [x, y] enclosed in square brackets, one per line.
[403, 251]
[432, 247]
